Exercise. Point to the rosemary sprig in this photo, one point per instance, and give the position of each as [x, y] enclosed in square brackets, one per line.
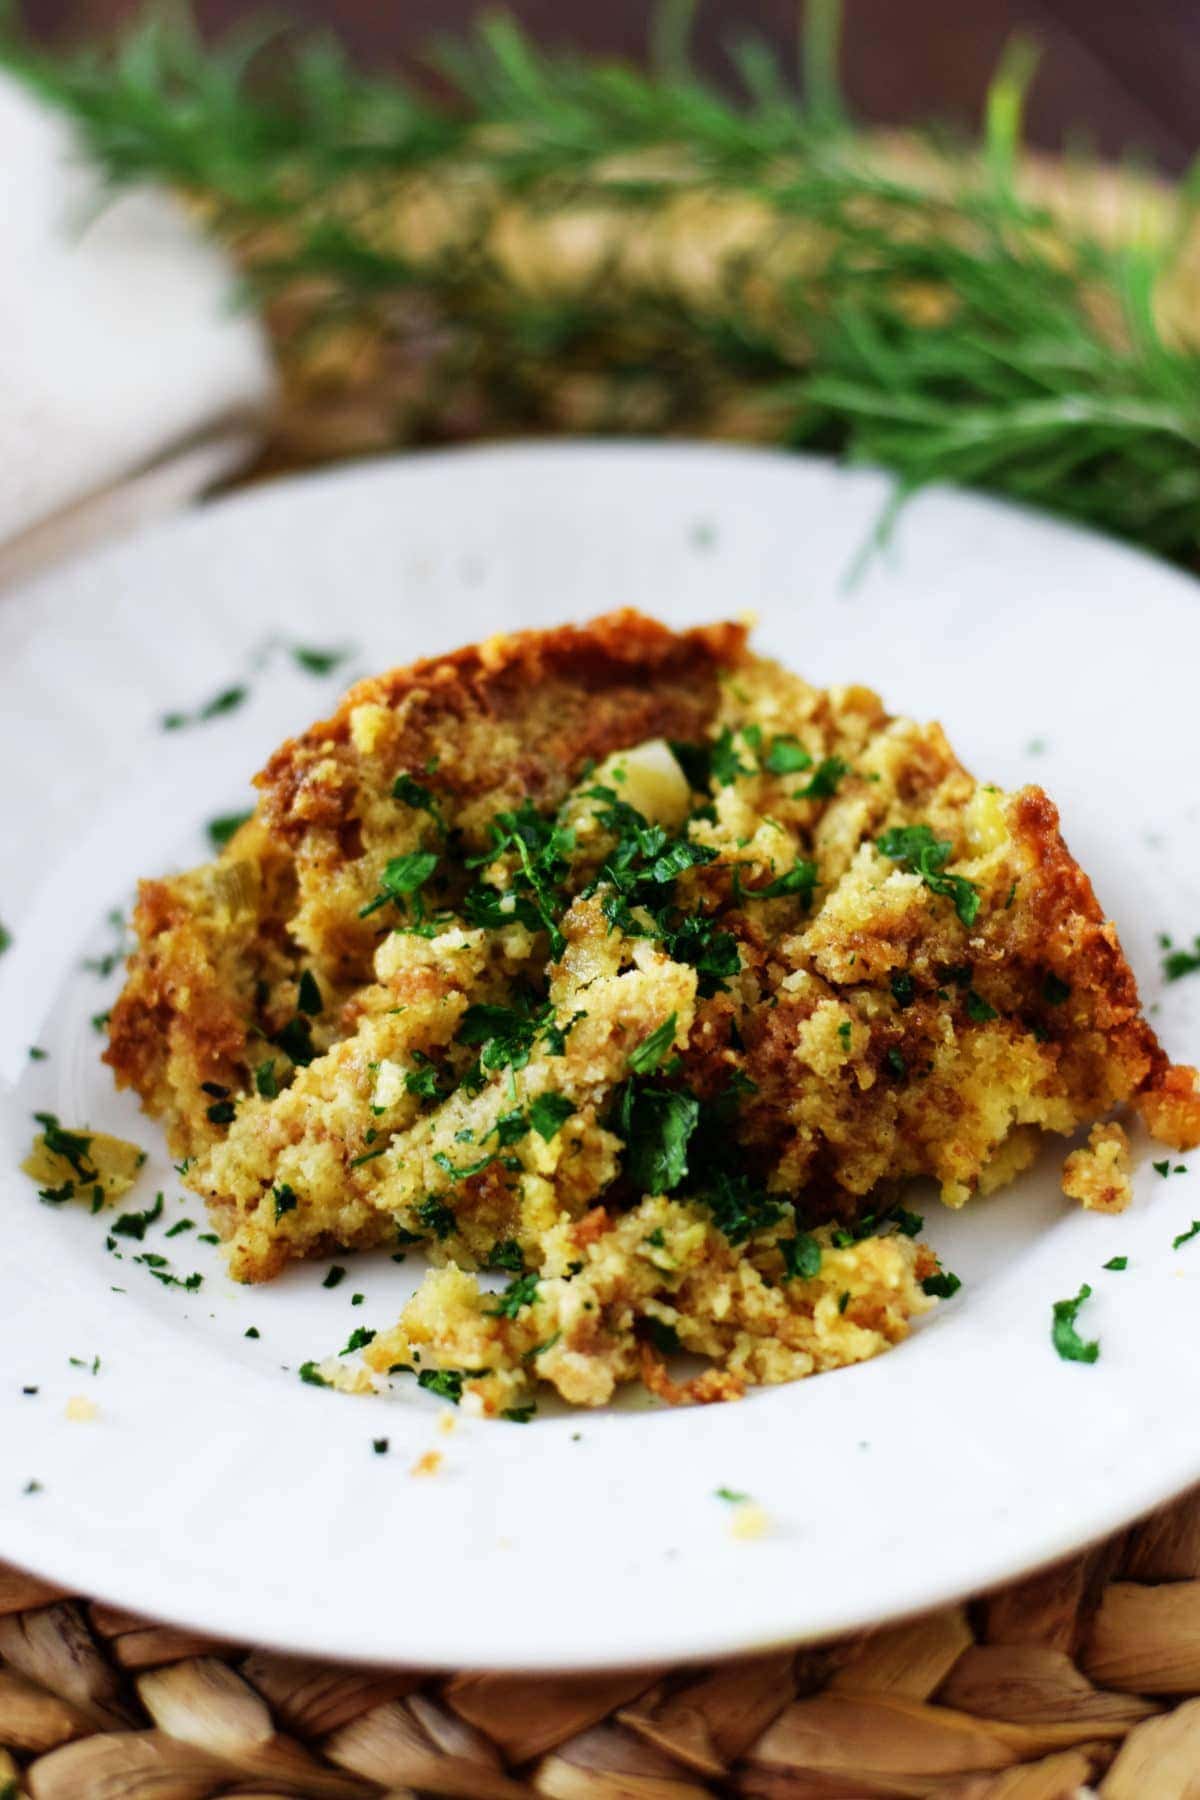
[908, 306]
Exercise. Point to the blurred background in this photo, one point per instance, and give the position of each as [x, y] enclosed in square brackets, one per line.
[1127, 75]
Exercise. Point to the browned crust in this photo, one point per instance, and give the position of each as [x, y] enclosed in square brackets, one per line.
[1170, 1105]
[592, 689]
[187, 1014]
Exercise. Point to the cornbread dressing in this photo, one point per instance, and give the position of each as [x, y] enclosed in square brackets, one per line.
[625, 962]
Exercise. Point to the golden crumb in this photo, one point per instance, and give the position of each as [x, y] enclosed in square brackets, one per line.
[428, 1464]
[81, 1410]
[448, 1422]
[750, 1522]
[81, 1165]
[347, 1378]
[627, 978]
[1171, 1107]
[1099, 1175]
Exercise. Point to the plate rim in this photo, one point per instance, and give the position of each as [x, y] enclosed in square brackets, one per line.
[1068, 1540]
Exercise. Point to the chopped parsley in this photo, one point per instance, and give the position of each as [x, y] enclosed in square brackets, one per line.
[942, 1286]
[519, 1415]
[915, 848]
[356, 1162]
[1184, 1237]
[638, 892]
[310, 1373]
[1065, 1338]
[801, 1257]
[506, 1255]
[909, 1223]
[1178, 963]
[510, 1128]
[319, 662]
[104, 965]
[801, 878]
[508, 1034]
[534, 896]
[979, 1011]
[656, 1124]
[725, 765]
[650, 1052]
[37, 1054]
[786, 756]
[359, 1338]
[227, 701]
[461, 1171]
[733, 1496]
[225, 826]
[264, 1079]
[423, 1079]
[286, 1200]
[73, 1146]
[221, 1112]
[521, 1292]
[549, 1113]
[415, 794]
[1055, 990]
[295, 1040]
[159, 1267]
[134, 1224]
[380, 1446]
[438, 1217]
[894, 1058]
[739, 1207]
[308, 995]
[447, 1384]
[402, 881]
[904, 988]
[251, 1331]
[696, 762]
[334, 1276]
[1118, 1264]
[825, 779]
[664, 1337]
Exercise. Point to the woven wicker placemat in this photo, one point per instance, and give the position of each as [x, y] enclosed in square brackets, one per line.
[1081, 1679]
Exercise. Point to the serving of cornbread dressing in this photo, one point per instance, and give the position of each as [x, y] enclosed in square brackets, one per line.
[626, 963]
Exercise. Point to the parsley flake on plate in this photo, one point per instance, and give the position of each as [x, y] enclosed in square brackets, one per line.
[1178, 963]
[1064, 1336]
[225, 826]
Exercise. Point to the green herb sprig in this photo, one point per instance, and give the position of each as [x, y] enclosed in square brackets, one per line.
[908, 305]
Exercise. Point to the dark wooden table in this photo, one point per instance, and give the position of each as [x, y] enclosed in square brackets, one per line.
[1127, 76]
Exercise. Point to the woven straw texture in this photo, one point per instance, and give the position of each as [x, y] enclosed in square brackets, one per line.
[1080, 1680]
[365, 370]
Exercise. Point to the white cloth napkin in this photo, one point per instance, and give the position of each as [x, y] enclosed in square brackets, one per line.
[119, 344]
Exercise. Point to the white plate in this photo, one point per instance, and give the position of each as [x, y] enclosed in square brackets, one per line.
[214, 1487]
